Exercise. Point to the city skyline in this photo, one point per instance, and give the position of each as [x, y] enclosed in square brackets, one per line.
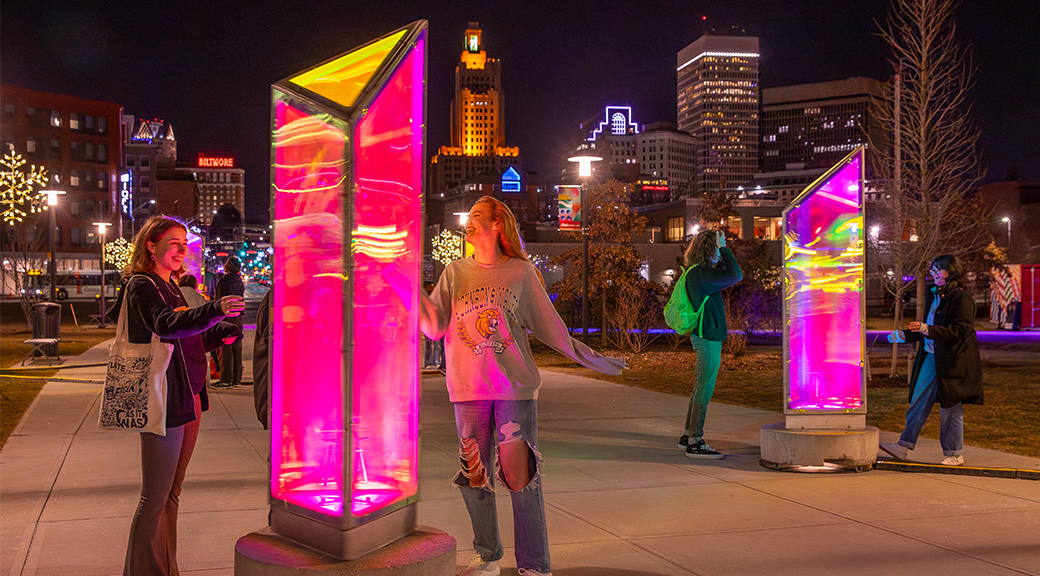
[208, 71]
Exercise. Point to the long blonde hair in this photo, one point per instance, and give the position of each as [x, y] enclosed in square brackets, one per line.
[142, 261]
[508, 232]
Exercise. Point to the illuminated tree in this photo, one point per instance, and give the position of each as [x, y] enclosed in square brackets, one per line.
[447, 247]
[614, 269]
[118, 252]
[20, 239]
[18, 188]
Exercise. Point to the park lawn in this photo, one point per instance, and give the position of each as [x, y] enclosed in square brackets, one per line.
[16, 394]
[1008, 421]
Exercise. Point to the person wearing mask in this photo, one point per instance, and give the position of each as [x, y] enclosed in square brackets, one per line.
[948, 366]
[715, 269]
[230, 284]
[156, 306]
[483, 307]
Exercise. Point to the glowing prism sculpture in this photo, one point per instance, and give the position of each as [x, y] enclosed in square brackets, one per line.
[347, 172]
[824, 340]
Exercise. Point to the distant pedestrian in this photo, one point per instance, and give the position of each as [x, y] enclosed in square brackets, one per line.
[483, 306]
[262, 361]
[230, 284]
[189, 289]
[715, 269]
[156, 306]
[948, 367]
[433, 351]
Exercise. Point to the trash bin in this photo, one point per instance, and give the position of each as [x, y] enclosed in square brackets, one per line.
[46, 323]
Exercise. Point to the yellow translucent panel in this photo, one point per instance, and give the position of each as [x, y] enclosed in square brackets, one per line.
[343, 79]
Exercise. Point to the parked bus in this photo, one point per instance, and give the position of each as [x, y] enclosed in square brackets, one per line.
[76, 284]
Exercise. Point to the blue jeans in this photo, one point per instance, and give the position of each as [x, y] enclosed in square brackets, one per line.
[483, 426]
[951, 420]
[709, 357]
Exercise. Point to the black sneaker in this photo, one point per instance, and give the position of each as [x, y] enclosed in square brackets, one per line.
[684, 442]
[703, 451]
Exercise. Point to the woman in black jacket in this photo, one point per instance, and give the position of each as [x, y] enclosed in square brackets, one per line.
[230, 284]
[948, 367]
[155, 306]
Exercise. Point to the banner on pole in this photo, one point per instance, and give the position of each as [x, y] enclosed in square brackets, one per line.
[568, 199]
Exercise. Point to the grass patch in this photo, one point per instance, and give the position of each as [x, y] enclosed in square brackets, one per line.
[16, 394]
[1007, 421]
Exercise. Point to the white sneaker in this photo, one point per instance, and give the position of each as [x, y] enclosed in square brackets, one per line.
[952, 461]
[897, 450]
[526, 572]
[477, 567]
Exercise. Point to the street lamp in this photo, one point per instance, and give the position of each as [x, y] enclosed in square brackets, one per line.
[102, 228]
[585, 156]
[463, 217]
[1007, 221]
[52, 207]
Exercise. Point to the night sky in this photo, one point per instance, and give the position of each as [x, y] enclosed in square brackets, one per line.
[206, 67]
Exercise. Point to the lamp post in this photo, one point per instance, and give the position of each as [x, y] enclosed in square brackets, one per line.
[1007, 221]
[52, 207]
[585, 156]
[102, 228]
[463, 216]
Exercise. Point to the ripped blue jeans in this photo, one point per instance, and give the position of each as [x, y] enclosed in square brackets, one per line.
[483, 427]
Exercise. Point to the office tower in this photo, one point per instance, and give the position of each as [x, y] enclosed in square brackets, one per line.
[717, 103]
[477, 122]
[816, 125]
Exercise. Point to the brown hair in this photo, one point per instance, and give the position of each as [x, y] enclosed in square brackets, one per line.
[508, 234]
[142, 260]
[701, 247]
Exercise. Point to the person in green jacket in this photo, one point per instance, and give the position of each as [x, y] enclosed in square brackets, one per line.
[715, 269]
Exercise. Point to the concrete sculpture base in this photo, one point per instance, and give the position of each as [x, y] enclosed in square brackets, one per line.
[811, 450]
[425, 552]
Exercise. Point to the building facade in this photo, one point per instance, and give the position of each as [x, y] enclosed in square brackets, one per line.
[148, 147]
[78, 141]
[811, 126]
[717, 103]
[220, 184]
[477, 122]
[665, 153]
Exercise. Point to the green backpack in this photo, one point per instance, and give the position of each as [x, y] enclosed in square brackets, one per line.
[679, 313]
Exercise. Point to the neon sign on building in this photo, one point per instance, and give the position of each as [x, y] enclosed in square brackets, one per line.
[617, 120]
[215, 162]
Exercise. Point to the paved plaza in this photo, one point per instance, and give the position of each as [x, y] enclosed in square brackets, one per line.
[621, 498]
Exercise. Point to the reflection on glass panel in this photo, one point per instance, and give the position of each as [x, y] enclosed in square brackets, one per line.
[388, 152]
[194, 260]
[307, 340]
[823, 265]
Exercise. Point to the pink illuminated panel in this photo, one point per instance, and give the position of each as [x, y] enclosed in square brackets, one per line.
[307, 342]
[388, 151]
[823, 265]
[194, 259]
[345, 348]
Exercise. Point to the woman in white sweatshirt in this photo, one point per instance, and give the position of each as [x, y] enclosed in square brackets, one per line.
[483, 307]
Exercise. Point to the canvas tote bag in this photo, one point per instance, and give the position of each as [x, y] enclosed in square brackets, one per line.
[135, 383]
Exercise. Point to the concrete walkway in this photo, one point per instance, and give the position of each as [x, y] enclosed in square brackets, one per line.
[620, 496]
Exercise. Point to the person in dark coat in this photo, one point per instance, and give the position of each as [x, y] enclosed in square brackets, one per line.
[715, 269]
[230, 284]
[262, 361]
[948, 367]
[155, 305]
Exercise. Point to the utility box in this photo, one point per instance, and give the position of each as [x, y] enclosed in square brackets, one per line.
[347, 173]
